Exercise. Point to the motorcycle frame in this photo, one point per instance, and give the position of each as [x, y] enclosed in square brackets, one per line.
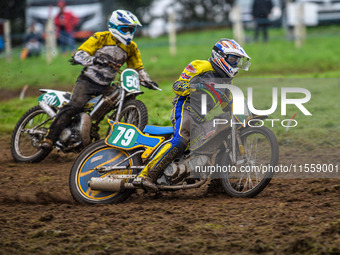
[235, 138]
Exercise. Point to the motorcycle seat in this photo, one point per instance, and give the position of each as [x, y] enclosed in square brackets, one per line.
[157, 130]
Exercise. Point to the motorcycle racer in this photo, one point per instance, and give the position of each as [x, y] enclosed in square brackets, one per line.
[101, 55]
[226, 59]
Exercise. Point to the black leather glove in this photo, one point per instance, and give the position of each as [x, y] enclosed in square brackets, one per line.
[101, 60]
[149, 84]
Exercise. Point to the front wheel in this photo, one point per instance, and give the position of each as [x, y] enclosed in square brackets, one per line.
[134, 112]
[83, 169]
[254, 170]
[28, 134]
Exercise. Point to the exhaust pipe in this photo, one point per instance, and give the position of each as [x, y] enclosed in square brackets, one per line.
[117, 185]
[107, 184]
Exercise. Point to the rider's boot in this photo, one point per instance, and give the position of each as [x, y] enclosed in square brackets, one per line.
[46, 144]
[60, 121]
[148, 176]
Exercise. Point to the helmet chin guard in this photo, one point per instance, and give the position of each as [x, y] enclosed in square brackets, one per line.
[122, 25]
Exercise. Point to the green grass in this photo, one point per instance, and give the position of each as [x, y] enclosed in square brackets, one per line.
[276, 60]
[35, 72]
[319, 57]
[11, 111]
[320, 129]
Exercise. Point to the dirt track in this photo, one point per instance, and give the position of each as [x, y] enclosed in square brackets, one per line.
[38, 215]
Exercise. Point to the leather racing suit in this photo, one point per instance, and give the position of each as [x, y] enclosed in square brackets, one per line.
[196, 74]
[95, 78]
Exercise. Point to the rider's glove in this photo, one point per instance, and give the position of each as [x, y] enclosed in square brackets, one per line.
[149, 84]
[101, 60]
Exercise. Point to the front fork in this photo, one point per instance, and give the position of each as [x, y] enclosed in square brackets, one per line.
[120, 105]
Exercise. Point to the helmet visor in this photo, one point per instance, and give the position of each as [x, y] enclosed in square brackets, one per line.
[244, 64]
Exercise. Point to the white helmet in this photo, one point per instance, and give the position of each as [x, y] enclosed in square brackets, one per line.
[122, 25]
[230, 56]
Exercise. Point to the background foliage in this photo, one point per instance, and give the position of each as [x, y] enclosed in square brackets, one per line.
[272, 63]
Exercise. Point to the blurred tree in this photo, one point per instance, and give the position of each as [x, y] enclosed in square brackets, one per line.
[203, 10]
[14, 10]
[137, 7]
[187, 11]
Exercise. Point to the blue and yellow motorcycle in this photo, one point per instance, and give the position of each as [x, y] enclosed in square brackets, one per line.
[240, 159]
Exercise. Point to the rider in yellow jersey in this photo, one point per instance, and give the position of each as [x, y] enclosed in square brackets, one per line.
[226, 59]
[96, 55]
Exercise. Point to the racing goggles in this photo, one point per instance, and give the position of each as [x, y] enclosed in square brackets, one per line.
[232, 60]
[236, 61]
[124, 29]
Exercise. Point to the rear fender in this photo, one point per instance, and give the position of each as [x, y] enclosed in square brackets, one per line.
[54, 97]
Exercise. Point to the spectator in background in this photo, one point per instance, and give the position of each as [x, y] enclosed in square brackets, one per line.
[33, 43]
[65, 23]
[261, 10]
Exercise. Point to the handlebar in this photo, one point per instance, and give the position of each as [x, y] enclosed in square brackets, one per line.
[149, 85]
[117, 66]
[155, 88]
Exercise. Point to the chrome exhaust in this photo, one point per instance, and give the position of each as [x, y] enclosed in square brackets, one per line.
[106, 184]
[109, 184]
[117, 185]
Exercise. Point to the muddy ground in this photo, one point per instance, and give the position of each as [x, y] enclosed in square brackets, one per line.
[39, 216]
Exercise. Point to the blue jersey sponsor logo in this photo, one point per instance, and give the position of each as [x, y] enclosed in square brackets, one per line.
[185, 76]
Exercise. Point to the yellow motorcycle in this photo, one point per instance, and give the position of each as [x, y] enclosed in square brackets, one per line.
[240, 159]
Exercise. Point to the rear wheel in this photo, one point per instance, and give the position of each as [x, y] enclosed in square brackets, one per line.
[28, 134]
[255, 169]
[83, 169]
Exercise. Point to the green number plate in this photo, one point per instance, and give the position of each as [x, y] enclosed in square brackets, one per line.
[130, 80]
[123, 136]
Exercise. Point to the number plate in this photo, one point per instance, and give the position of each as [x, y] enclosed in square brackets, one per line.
[130, 80]
[123, 136]
[127, 136]
[50, 98]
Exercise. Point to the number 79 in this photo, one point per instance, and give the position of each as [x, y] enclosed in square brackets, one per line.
[128, 135]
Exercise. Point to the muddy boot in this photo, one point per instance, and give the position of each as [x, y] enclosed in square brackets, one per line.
[145, 183]
[147, 179]
[148, 176]
[46, 144]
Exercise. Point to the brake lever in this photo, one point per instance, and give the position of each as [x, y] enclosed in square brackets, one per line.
[150, 84]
